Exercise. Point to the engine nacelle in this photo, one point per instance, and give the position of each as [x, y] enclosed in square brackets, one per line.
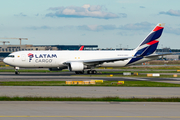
[76, 66]
[55, 69]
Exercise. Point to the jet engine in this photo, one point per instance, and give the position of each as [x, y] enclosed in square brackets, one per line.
[76, 66]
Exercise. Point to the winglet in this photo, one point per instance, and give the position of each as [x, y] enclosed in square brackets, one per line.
[149, 44]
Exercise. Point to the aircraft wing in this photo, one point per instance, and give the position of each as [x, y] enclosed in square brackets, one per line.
[102, 60]
[99, 61]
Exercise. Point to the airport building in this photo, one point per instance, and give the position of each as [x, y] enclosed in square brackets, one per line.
[174, 56]
[5, 50]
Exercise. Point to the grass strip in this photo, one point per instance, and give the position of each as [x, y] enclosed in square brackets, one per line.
[103, 99]
[105, 83]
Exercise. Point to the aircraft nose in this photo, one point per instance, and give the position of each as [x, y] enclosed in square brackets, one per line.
[5, 60]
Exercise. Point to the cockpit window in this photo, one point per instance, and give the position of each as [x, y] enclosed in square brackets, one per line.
[12, 56]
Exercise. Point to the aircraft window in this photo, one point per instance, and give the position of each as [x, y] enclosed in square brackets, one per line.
[12, 56]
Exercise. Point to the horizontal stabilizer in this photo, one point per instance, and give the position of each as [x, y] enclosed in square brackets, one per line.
[156, 55]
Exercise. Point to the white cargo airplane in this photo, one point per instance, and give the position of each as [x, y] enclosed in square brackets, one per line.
[78, 61]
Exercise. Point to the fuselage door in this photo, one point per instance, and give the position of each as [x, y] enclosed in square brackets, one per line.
[23, 58]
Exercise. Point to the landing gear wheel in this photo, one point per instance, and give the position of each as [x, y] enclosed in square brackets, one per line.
[17, 73]
[94, 71]
[91, 72]
[16, 70]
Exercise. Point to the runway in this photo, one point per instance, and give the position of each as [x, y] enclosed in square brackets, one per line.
[89, 92]
[65, 76]
[88, 110]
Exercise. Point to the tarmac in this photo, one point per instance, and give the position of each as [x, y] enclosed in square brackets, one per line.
[88, 91]
[44, 110]
[68, 76]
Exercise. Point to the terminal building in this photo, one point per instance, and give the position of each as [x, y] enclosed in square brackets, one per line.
[5, 50]
[174, 56]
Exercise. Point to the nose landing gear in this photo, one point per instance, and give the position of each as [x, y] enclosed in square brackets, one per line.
[16, 70]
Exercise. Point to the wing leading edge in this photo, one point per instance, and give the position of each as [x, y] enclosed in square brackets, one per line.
[100, 61]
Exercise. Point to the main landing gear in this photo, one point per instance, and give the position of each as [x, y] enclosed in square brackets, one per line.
[16, 70]
[91, 72]
[88, 72]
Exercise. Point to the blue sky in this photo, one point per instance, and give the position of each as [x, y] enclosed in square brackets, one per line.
[106, 23]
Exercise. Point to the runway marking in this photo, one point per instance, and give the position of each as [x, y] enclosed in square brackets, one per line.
[90, 116]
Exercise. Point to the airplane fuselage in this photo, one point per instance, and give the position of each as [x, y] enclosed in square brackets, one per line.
[51, 59]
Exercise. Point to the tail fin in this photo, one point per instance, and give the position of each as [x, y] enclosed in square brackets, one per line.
[81, 48]
[150, 43]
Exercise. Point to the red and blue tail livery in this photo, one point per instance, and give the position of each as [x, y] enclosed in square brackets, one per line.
[149, 44]
[154, 36]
